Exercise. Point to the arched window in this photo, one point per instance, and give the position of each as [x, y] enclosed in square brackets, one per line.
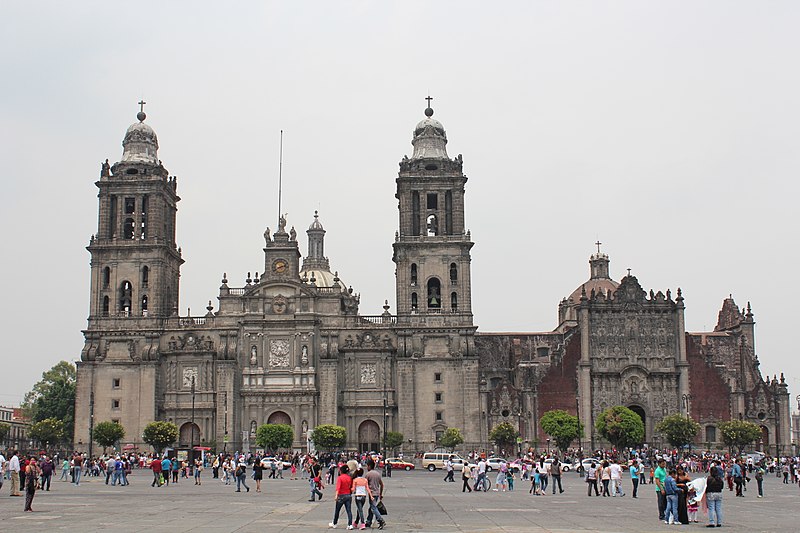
[413, 273]
[106, 277]
[125, 295]
[434, 294]
[453, 301]
[144, 305]
[105, 305]
[453, 273]
[128, 228]
[145, 275]
[414, 302]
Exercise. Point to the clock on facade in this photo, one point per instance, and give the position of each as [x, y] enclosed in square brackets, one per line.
[279, 266]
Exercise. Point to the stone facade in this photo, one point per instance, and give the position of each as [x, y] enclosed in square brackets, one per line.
[290, 346]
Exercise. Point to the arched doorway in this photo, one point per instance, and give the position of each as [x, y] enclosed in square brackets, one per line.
[764, 444]
[190, 435]
[640, 411]
[279, 417]
[369, 436]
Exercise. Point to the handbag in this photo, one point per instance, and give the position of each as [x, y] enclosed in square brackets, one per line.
[381, 508]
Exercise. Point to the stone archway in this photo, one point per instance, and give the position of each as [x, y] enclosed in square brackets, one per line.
[187, 436]
[279, 417]
[640, 411]
[369, 436]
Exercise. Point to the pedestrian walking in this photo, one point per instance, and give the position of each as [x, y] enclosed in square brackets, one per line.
[555, 472]
[714, 486]
[466, 475]
[155, 466]
[591, 479]
[343, 497]
[360, 491]
[13, 472]
[635, 475]
[198, 468]
[241, 475]
[32, 473]
[376, 490]
[315, 479]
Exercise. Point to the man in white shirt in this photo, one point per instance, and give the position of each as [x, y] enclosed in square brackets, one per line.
[616, 478]
[481, 474]
[2, 469]
[13, 469]
[448, 465]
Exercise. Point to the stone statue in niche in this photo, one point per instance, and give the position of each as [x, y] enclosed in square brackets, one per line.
[253, 355]
[304, 355]
[267, 236]
[189, 376]
[253, 427]
[105, 170]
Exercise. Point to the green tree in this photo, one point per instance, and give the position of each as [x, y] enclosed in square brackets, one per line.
[329, 436]
[47, 431]
[394, 439]
[737, 434]
[274, 436]
[504, 435]
[159, 435]
[678, 430]
[562, 427]
[452, 437]
[620, 426]
[107, 433]
[54, 397]
[4, 430]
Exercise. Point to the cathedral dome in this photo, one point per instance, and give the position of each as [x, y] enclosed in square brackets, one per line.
[430, 139]
[599, 279]
[140, 144]
[322, 278]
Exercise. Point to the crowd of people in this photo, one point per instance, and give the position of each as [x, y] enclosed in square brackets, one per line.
[684, 483]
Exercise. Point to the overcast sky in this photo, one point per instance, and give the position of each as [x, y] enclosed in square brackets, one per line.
[668, 130]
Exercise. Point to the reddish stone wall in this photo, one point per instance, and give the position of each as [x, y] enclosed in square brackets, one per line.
[559, 387]
[711, 396]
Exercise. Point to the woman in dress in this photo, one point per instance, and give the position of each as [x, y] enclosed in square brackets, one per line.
[32, 473]
[682, 480]
[258, 472]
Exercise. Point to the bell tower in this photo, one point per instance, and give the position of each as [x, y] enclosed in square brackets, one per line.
[135, 264]
[437, 364]
[432, 249]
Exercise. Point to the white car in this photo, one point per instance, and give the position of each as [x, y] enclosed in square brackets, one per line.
[565, 467]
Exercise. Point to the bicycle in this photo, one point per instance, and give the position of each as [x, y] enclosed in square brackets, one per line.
[484, 486]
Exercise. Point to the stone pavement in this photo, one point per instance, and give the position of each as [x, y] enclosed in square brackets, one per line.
[417, 501]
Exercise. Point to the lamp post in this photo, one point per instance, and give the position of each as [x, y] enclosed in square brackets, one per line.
[548, 445]
[91, 422]
[191, 439]
[687, 398]
[387, 470]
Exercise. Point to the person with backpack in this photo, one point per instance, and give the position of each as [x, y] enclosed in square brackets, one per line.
[714, 486]
[759, 475]
[241, 475]
[555, 473]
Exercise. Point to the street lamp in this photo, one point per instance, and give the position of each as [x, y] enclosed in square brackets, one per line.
[191, 439]
[687, 398]
[548, 445]
[91, 422]
[387, 470]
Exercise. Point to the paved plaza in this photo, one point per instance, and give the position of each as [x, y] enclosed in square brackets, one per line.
[417, 501]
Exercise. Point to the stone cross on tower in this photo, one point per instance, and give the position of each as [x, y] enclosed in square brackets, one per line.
[429, 98]
[141, 105]
[598, 243]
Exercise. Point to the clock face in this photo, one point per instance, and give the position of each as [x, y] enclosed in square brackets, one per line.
[279, 266]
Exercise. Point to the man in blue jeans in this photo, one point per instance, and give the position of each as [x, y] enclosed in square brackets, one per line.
[671, 490]
[314, 473]
[376, 488]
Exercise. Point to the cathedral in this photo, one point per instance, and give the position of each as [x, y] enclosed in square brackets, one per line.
[291, 347]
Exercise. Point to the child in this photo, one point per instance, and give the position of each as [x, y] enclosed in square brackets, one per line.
[692, 506]
[510, 480]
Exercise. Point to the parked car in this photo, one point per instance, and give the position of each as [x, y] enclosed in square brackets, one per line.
[565, 467]
[494, 463]
[434, 460]
[398, 464]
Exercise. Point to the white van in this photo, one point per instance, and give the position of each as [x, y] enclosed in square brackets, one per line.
[434, 460]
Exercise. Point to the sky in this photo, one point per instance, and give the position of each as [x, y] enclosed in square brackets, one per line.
[667, 130]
